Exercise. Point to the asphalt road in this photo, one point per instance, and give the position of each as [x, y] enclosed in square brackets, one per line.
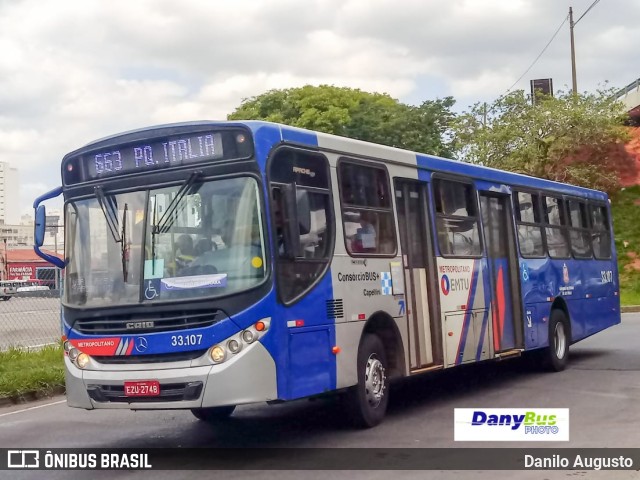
[601, 387]
[29, 321]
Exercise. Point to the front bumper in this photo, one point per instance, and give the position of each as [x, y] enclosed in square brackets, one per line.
[248, 377]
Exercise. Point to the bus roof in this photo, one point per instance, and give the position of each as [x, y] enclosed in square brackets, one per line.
[285, 133]
[423, 160]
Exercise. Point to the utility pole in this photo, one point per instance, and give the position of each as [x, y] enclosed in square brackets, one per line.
[574, 81]
[484, 126]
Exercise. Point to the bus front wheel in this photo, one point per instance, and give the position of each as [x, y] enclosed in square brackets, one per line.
[558, 351]
[369, 398]
[213, 414]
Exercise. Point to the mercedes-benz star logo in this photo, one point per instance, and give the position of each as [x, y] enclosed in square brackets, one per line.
[141, 344]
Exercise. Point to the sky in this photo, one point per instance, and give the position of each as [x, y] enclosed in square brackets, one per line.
[73, 71]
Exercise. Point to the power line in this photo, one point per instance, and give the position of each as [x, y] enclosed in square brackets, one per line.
[587, 11]
[545, 48]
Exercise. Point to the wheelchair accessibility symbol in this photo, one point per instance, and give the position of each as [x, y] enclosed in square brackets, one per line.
[525, 273]
[151, 290]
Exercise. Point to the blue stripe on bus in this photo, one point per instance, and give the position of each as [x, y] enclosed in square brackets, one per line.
[477, 172]
[544, 280]
[167, 342]
[303, 137]
[469, 313]
[485, 320]
[265, 137]
[307, 365]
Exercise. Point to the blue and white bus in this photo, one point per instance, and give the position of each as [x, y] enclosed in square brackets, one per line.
[214, 264]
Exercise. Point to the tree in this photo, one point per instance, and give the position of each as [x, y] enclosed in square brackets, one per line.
[372, 117]
[570, 138]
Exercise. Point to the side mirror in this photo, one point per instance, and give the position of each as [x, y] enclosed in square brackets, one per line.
[40, 225]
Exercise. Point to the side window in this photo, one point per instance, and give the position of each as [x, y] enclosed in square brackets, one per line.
[529, 225]
[367, 215]
[556, 227]
[303, 233]
[600, 234]
[456, 218]
[579, 232]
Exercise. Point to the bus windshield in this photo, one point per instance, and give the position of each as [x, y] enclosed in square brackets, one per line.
[199, 239]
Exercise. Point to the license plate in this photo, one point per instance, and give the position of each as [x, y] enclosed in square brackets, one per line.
[148, 388]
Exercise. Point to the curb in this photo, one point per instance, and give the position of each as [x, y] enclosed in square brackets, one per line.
[32, 396]
[630, 309]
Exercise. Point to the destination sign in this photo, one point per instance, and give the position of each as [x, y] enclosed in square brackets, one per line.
[155, 154]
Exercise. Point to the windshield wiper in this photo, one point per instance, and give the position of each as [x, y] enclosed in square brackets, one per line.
[110, 211]
[168, 217]
[125, 247]
[153, 236]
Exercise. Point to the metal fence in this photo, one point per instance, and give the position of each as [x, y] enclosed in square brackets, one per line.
[30, 319]
[635, 85]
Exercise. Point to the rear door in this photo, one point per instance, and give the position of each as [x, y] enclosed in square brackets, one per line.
[415, 239]
[503, 271]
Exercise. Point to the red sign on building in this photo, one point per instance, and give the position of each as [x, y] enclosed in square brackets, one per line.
[21, 271]
[24, 264]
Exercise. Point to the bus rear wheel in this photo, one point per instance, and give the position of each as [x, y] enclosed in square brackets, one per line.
[368, 399]
[213, 414]
[557, 353]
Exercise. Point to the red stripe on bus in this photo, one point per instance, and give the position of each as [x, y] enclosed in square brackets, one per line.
[500, 299]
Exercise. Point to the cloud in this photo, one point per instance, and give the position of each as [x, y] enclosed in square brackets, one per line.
[78, 70]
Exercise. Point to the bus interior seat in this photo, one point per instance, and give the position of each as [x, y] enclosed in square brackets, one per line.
[204, 245]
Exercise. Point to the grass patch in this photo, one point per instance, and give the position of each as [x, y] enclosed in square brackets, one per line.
[630, 298]
[24, 371]
[625, 207]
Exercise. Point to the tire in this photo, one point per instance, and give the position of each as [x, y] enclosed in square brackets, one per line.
[368, 399]
[213, 414]
[557, 353]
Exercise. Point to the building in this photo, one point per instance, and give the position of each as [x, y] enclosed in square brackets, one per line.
[22, 235]
[18, 235]
[9, 194]
[25, 264]
[54, 238]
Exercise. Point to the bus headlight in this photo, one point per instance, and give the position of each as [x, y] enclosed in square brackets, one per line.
[234, 346]
[217, 354]
[83, 360]
[67, 346]
[248, 336]
[73, 354]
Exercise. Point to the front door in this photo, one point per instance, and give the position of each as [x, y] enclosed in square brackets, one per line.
[501, 255]
[415, 240]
